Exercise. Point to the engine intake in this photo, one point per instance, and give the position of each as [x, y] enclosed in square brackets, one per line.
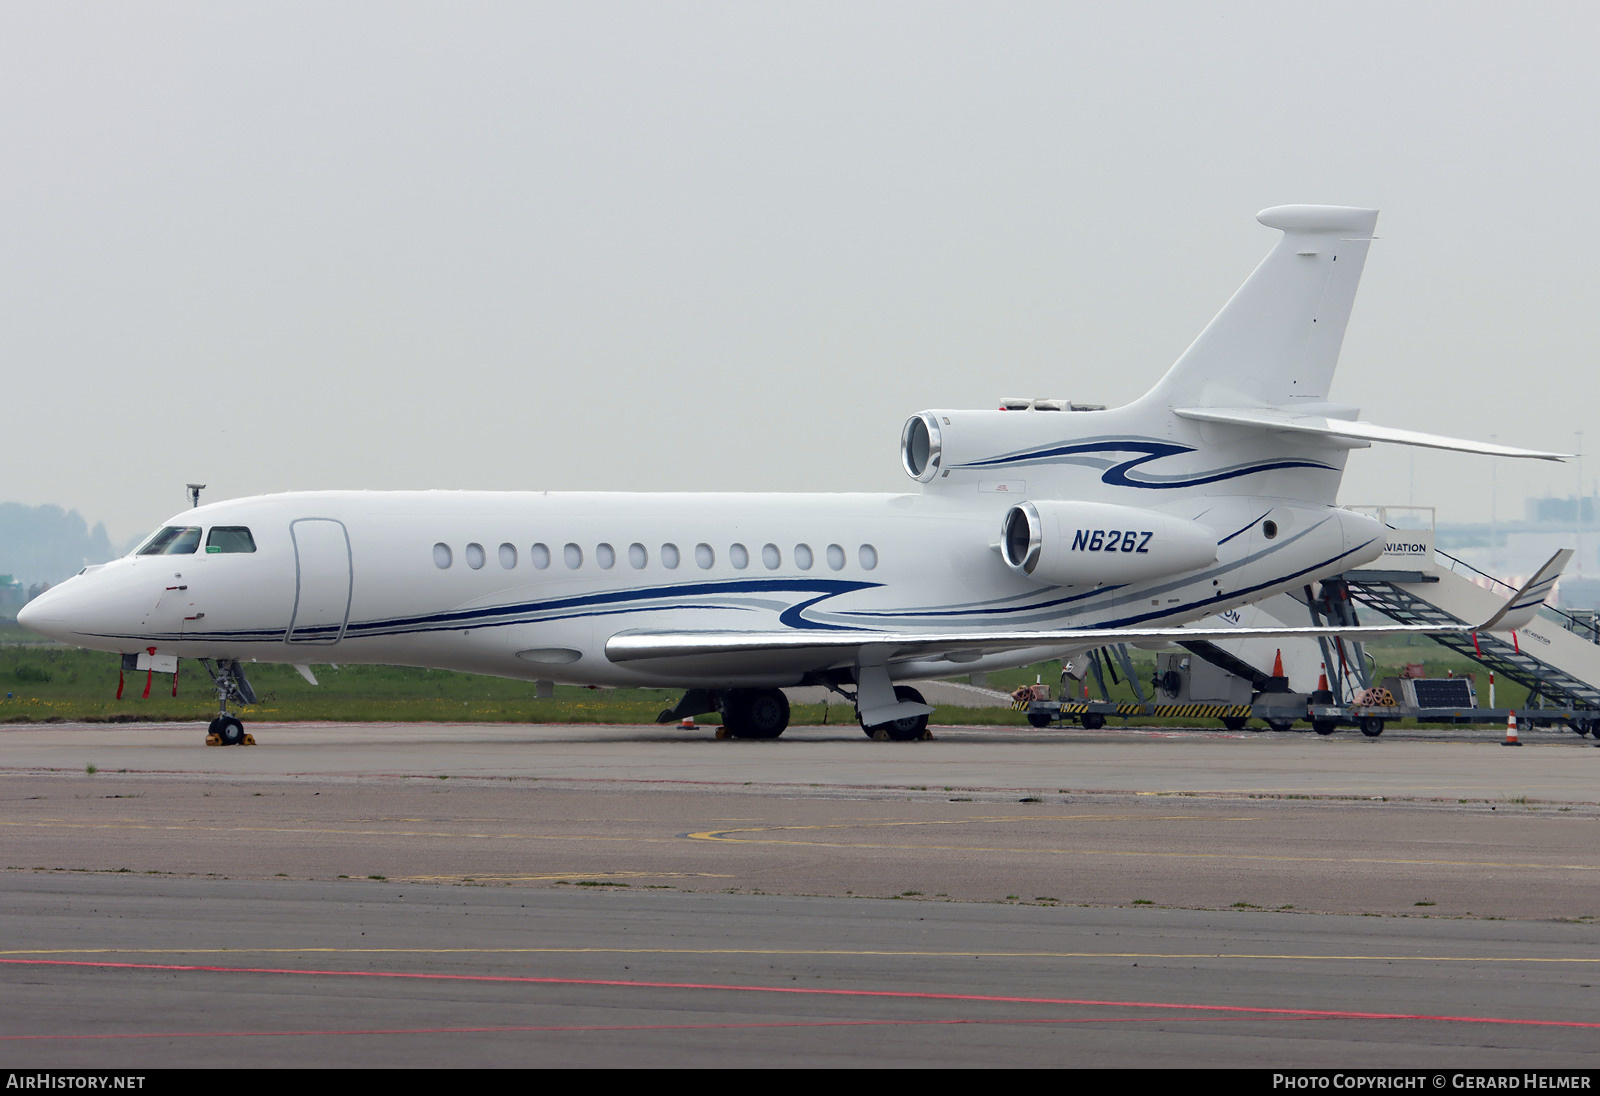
[921, 446]
[1096, 543]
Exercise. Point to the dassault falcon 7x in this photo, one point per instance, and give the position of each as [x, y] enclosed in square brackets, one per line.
[1035, 531]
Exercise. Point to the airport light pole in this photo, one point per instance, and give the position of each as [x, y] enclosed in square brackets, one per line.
[1494, 517]
[1577, 499]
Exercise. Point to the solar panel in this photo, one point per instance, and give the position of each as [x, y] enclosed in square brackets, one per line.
[1443, 692]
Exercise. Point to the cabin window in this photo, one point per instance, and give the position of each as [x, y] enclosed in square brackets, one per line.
[836, 557]
[605, 556]
[174, 540]
[539, 556]
[669, 556]
[739, 556]
[442, 556]
[230, 538]
[475, 557]
[869, 557]
[803, 558]
[637, 556]
[704, 556]
[771, 557]
[573, 555]
[508, 556]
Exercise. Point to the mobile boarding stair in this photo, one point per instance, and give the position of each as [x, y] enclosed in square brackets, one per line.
[1557, 655]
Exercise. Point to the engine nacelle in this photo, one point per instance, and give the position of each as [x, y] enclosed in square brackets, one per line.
[972, 445]
[1099, 543]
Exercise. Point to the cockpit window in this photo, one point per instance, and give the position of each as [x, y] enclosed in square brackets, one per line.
[174, 540]
[230, 538]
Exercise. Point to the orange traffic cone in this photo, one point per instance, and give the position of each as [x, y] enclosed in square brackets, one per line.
[1277, 663]
[687, 724]
[1511, 730]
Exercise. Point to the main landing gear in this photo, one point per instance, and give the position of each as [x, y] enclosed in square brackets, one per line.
[908, 729]
[754, 713]
[764, 713]
[228, 730]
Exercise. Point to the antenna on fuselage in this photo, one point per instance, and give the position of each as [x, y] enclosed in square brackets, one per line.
[194, 493]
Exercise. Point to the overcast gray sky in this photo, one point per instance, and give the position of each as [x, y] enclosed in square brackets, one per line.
[665, 245]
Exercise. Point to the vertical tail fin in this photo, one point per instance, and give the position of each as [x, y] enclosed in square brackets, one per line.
[1276, 342]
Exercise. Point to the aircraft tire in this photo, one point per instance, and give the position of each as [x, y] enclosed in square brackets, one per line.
[228, 729]
[902, 730]
[755, 713]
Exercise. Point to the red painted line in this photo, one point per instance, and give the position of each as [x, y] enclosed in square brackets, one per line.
[525, 1028]
[1332, 1014]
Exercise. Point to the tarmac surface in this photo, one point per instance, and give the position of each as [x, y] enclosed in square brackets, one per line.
[470, 894]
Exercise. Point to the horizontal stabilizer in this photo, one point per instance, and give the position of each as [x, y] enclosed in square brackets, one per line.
[821, 649]
[1268, 418]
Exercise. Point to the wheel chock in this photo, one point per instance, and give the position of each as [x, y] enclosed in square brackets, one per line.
[880, 735]
[722, 732]
[248, 740]
[213, 740]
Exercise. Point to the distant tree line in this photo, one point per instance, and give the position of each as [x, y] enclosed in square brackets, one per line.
[46, 544]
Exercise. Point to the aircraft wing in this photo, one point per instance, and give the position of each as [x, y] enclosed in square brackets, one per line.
[823, 648]
[1267, 418]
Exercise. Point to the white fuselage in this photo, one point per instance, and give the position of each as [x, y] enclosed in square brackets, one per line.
[531, 585]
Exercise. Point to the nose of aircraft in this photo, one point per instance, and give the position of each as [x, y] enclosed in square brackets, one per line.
[43, 615]
[69, 612]
[100, 608]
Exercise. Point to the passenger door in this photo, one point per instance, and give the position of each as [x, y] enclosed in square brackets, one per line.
[322, 581]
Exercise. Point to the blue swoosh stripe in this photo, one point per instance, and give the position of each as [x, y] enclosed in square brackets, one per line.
[1120, 475]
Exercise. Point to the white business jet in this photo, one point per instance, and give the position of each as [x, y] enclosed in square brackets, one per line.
[1035, 531]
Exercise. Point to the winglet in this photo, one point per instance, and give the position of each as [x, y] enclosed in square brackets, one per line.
[1523, 605]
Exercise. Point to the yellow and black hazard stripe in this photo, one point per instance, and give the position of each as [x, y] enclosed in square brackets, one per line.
[1188, 711]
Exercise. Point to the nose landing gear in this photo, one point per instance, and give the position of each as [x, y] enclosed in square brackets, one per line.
[228, 730]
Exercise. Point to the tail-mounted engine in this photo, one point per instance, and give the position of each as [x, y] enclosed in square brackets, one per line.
[1099, 543]
[936, 443]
